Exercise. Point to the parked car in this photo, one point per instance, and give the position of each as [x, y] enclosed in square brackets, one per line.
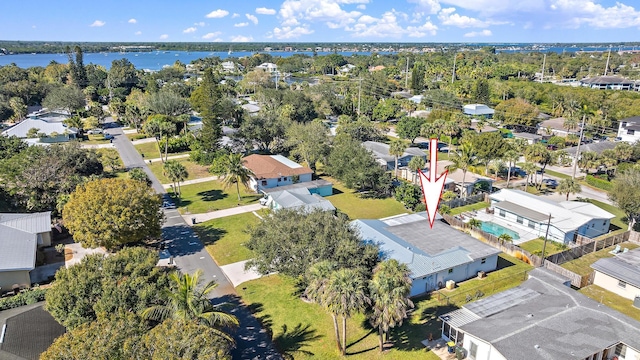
[168, 205]
[515, 172]
[94, 131]
[550, 183]
[108, 136]
[552, 147]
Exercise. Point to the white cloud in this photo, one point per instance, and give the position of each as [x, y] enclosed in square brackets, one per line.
[235, 15]
[98, 23]
[586, 12]
[189, 30]
[265, 11]
[216, 14]
[252, 18]
[211, 35]
[33, 26]
[328, 11]
[286, 32]
[201, 24]
[361, 7]
[484, 32]
[138, 33]
[428, 6]
[448, 17]
[387, 26]
[366, 19]
[241, 38]
[241, 24]
[132, 21]
[428, 28]
[164, 37]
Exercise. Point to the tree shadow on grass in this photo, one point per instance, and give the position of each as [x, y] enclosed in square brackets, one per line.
[212, 195]
[209, 234]
[410, 335]
[335, 191]
[365, 325]
[291, 342]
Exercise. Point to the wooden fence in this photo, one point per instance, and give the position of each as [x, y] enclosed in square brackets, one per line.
[587, 248]
[577, 280]
[472, 199]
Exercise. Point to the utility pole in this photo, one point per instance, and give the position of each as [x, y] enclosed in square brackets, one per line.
[546, 236]
[544, 62]
[406, 76]
[606, 67]
[575, 160]
[453, 76]
[359, 92]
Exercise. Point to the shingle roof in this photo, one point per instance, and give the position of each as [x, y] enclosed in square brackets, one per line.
[273, 166]
[558, 323]
[596, 147]
[381, 151]
[20, 130]
[606, 80]
[527, 136]
[623, 266]
[555, 124]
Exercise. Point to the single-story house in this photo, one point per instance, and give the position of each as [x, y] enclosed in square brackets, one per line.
[478, 109]
[416, 98]
[530, 138]
[268, 67]
[54, 131]
[300, 199]
[598, 147]
[20, 236]
[346, 68]
[470, 180]
[376, 68]
[607, 83]
[47, 115]
[433, 255]
[541, 319]
[319, 186]
[629, 129]
[485, 127]
[388, 161]
[230, 66]
[252, 108]
[275, 170]
[619, 274]
[556, 127]
[568, 218]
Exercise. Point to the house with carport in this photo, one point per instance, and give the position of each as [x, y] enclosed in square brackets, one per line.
[434, 255]
[270, 171]
[620, 274]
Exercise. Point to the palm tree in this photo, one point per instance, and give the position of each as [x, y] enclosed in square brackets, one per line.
[176, 172]
[511, 156]
[187, 303]
[416, 163]
[569, 186]
[438, 127]
[75, 122]
[317, 279]
[157, 126]
[346, 295]
[475, 223]
[397, 148]
[450, 128]
[530, 168]
[570, 123]
[540, 154]
[234, 172]
[389, 289]
[463, 158]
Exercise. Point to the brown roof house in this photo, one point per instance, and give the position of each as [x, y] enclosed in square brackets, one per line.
[275, 170]
[20, 236]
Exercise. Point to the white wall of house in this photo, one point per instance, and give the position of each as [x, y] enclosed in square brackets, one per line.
[594, 228]
[627, 135]
[632, 354]
[9, 278]
[44, 239]
[614, 285]
[458, 274]
[483, 350]
[256, 185]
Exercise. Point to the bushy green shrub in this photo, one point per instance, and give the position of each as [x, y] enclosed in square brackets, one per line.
[31, 296]
[599, 183]
[176, 144]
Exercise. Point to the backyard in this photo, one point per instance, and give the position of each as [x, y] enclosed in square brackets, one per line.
[305, 330]
[611, 300]
[224, 238]
[535, 247]
[472, 207]
[582, 265]
[210, 196]
[195, 171]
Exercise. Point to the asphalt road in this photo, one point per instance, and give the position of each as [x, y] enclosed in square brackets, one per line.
[252, 341]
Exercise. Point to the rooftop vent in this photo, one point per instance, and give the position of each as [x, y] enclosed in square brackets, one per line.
[529, 315]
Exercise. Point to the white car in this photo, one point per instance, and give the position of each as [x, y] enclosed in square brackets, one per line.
[94, 131]
[263, 201]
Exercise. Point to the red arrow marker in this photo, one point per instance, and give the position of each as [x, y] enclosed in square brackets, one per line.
[432, 186]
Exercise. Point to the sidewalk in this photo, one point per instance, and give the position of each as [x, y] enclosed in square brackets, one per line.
[190, 182]
[143, 141]
[237, 274]
[221, 213]
[169, 158]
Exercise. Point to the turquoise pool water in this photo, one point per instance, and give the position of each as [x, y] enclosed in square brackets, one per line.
[497, 230]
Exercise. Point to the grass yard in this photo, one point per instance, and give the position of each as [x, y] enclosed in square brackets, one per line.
[557, 174]
[308, 328]
[582, 265]
[535, 247]
[472, 207]
[95, 140]
[224, 237]
[136, 136]
[349, 202]
[149, 150]
[195, 171]
[210, 196]
[611, 300]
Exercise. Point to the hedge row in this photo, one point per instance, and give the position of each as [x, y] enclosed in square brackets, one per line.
[24, 298]
[599, 183]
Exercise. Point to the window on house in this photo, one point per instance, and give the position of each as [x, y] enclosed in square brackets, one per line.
[621, 350]
[450, 271]
[622, 284]
[520, 220]
[279, 179]
[264, 182]
[532, 224]
[484, 260]
[473, 350]
[503, 213]
[593, 225]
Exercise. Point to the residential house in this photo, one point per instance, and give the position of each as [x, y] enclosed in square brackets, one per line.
[20, 236]
[416, 98]
[530, 138]
[629, 129]
[530, 214]
[54, 131]
[268, 67]
[376, 68]
[346, 69]
[598, 147]
[471, 180]
[556, 127]
[320, 187]
[619, 274]
[231, 67]
[381, 152]
[433, 255]
[475, 125]
[252, 108]
[607, 83]
[275, 170]
[542, 319]
[478, 110]
[300, 199]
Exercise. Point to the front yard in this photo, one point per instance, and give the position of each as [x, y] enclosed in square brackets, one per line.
[148, 150]
[582, 265]
[195, 171]
[304, 331]
[611, 300]
[210, 196]
[224, 238]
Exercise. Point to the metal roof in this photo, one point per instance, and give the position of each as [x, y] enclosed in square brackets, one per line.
[22, 128]
[521, 211]
[623, 266]
[17, 249]
[527, 136]
[300, 199]
[460, 317]
[501, 301]
[381, 151]
[33, 223]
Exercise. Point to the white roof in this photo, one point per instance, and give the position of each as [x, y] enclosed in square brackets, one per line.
[477, 109]
[20, 130]
[18, 239]
[565, 216]
[267, 66]
[301, 199]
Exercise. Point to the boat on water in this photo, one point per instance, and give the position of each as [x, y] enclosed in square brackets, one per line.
[229, 53]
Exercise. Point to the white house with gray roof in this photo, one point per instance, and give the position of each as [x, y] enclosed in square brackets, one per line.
[542, 319]
[530, 214]
[381, 152]
[298, 198]
[20, 236]
[619, 274]
[434, 255]
[55, 131]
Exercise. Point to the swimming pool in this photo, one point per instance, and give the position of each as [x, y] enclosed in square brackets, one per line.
[497, 230]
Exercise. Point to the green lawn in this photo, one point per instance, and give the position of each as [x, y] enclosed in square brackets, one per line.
[195, 171]
[611, 300]
[472, 207]
[149, 150]
[349, 202]
[209, 196]
[95, 140]
[582, 265]
[136, 136]
[535, 247]
[224, 238]
[557, 174]
[309, 328]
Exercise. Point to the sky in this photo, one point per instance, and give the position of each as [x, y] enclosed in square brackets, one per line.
[335, 21]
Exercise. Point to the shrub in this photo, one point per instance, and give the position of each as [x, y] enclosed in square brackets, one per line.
[599, 183]
[30, 296]
[176, 144]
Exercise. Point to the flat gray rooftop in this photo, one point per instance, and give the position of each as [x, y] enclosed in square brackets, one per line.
[522, 211]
